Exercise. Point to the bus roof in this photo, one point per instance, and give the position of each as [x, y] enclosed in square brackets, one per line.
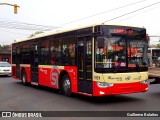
[67, 30]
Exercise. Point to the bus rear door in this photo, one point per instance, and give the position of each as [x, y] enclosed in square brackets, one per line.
[17, 61]
[34, 63]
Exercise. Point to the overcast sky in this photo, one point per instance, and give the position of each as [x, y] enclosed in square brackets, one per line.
[60, 12]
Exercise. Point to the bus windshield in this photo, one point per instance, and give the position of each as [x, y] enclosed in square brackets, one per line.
[121, 53]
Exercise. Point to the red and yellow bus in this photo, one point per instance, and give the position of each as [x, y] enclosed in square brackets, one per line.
[96, 60]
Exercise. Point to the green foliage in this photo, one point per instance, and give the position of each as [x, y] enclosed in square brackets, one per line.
[155, 46]
[5, 49]
[34, 34]
[158, 46]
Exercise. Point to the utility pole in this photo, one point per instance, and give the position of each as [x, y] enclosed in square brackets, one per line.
[14, 5]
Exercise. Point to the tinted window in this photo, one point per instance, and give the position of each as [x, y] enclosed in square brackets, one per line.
[56, 52]
[45, 52]
[25, 52]
[68, 51]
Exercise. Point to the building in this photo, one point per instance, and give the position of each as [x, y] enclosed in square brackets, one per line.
[5, 54]
[154, 57]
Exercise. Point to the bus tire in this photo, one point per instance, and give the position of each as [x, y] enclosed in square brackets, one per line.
[66, 85]
[24, 77]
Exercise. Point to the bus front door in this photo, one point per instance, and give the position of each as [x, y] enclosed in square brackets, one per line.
[84, 63]
[34, 64]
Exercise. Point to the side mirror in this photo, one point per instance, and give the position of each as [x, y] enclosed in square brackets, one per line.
[100, 41]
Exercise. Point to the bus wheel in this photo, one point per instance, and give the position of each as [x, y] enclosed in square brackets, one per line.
[66, 85]
[24, 77]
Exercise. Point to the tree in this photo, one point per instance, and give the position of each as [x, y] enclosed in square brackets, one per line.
[158, 46]
[5, 49]
[36, 33]
[152, 46]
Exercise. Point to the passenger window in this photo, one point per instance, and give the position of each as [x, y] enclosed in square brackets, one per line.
[45, 54]
[56, 52]
[68, 51]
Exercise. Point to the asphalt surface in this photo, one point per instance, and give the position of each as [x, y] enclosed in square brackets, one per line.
[16, 97]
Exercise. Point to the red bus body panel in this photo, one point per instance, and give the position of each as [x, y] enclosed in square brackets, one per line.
[124, 88]
[45, 80]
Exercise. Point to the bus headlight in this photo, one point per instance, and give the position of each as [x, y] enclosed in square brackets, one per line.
[144, 82]
[104, 84]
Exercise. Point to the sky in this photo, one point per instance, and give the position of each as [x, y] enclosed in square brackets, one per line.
[62, 14]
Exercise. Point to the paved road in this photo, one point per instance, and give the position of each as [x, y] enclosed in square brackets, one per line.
[16, 97]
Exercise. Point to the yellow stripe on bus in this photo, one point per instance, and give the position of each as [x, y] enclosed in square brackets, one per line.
[50, 66]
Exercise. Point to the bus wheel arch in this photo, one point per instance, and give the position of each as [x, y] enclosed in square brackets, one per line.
[65, 84]
[24, 76]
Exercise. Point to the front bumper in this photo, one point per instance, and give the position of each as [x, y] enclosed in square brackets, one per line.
[120, 88]
[6, 73]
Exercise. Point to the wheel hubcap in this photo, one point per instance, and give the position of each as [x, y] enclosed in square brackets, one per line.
[24, 78]
[66, 85]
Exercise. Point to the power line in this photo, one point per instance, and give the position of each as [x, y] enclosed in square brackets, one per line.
[28, 26]
[101, 13]
[5, 42]
[137, 14]
[131, 12]
[8, 24]
[13, 32]
[15, 24]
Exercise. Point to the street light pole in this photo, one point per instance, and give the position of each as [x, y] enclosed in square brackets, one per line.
[15, 6]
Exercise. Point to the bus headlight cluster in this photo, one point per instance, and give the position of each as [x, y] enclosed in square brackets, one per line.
[104, 84]
[144, 82]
